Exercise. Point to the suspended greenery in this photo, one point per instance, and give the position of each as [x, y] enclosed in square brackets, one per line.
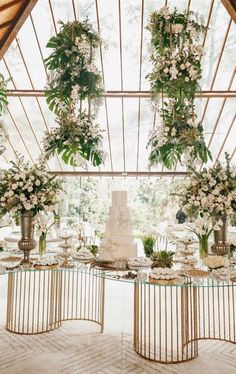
[3, 106]
[72, 73]
[73, 77]
[179, 138]
[176, 60]
[76, 139]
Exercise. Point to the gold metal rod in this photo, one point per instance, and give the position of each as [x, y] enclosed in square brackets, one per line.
[160, 321]
[85, 294]
[77, 290]
[19, 302]
[229, 313]
[23, 312]
[89, 294]
[177, 321]
[48, 297]
[43, 300]
[39, 297]
[213, 309]
[233, 307]
[166, 323]
[33, 303]
[218, 293]
[224, 329]
[154, 319]
[145, 318]
[81, 293]
[29, 304]
[171, 324]
[128, 94]
[72, 298]
[141, 318]
[203, 310]
[68, 294]
[149, 322]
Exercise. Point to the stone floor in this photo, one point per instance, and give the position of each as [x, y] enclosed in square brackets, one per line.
[79, 347]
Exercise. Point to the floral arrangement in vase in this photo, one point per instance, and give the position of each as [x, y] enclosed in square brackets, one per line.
[73, 78]
[3, 106]
[26, 187]
[212, 190]
[176, 60]
[44, 222]
[202, 228]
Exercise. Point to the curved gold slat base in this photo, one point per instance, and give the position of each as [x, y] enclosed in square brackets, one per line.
[165, 323]
[38, 301]
[169, 321]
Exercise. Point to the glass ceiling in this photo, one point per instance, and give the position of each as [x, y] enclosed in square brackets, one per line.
[124, 62]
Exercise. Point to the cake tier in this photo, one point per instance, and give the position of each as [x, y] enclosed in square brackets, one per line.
[119, 221]
[118, 246]
[119, 198]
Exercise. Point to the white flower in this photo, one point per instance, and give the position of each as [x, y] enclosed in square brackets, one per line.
[186, 79]
[166, 70]
[37, 182]
[10, 193]
[30, 189]
[28, 206]
[182, 66]
[14, 186]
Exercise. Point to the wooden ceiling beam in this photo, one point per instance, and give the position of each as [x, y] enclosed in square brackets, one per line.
[9, 5]
[16, 24]
[230, 6]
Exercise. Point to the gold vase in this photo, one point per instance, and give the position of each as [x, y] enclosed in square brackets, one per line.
[27, 242]
[220, 246]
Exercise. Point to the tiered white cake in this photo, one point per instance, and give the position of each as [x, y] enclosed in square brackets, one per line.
[118, 241]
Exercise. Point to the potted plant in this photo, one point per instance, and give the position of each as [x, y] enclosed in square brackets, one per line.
[162, 259]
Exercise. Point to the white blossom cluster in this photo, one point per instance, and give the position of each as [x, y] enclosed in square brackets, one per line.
[28, 188]
[212, 191]
[176, 65]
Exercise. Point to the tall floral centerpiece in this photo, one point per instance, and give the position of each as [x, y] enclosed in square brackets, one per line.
[28, 189]
[73, 91]
[202, 228]
[3, 106]
[44, 221]
[213, 191]
[176, 60]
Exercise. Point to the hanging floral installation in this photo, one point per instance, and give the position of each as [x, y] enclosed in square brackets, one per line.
[176, 60]
[72, 79]
[3, 106]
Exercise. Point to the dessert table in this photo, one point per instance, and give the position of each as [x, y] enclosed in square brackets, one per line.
[169, 320]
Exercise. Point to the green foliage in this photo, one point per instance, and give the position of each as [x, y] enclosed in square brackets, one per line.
[162, 259]
[71, 65]
[148, 244]
[3, 94]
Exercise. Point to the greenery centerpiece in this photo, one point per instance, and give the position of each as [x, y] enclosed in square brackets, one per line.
[3, 106]
[148, 243]
[73, 78]
[162, 259]
[28, 189]
[176, 60]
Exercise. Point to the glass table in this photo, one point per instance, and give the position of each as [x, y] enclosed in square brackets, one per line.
[169, 320]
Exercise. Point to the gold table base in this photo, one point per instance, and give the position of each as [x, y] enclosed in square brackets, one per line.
[38, 301]
[170, 320]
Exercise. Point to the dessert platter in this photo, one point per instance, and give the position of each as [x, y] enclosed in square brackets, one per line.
[197, 273]
[46, 264]
[163, 276]
[139, 263]
[83, 255]
[214, 262]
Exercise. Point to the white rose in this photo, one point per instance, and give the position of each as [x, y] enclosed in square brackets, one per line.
[27, 206]
[3, 198]
[37, 182]
[182, 66]
[10, 193]
[166, 70]
[30, 189]
[187, 64]
[186, 79]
